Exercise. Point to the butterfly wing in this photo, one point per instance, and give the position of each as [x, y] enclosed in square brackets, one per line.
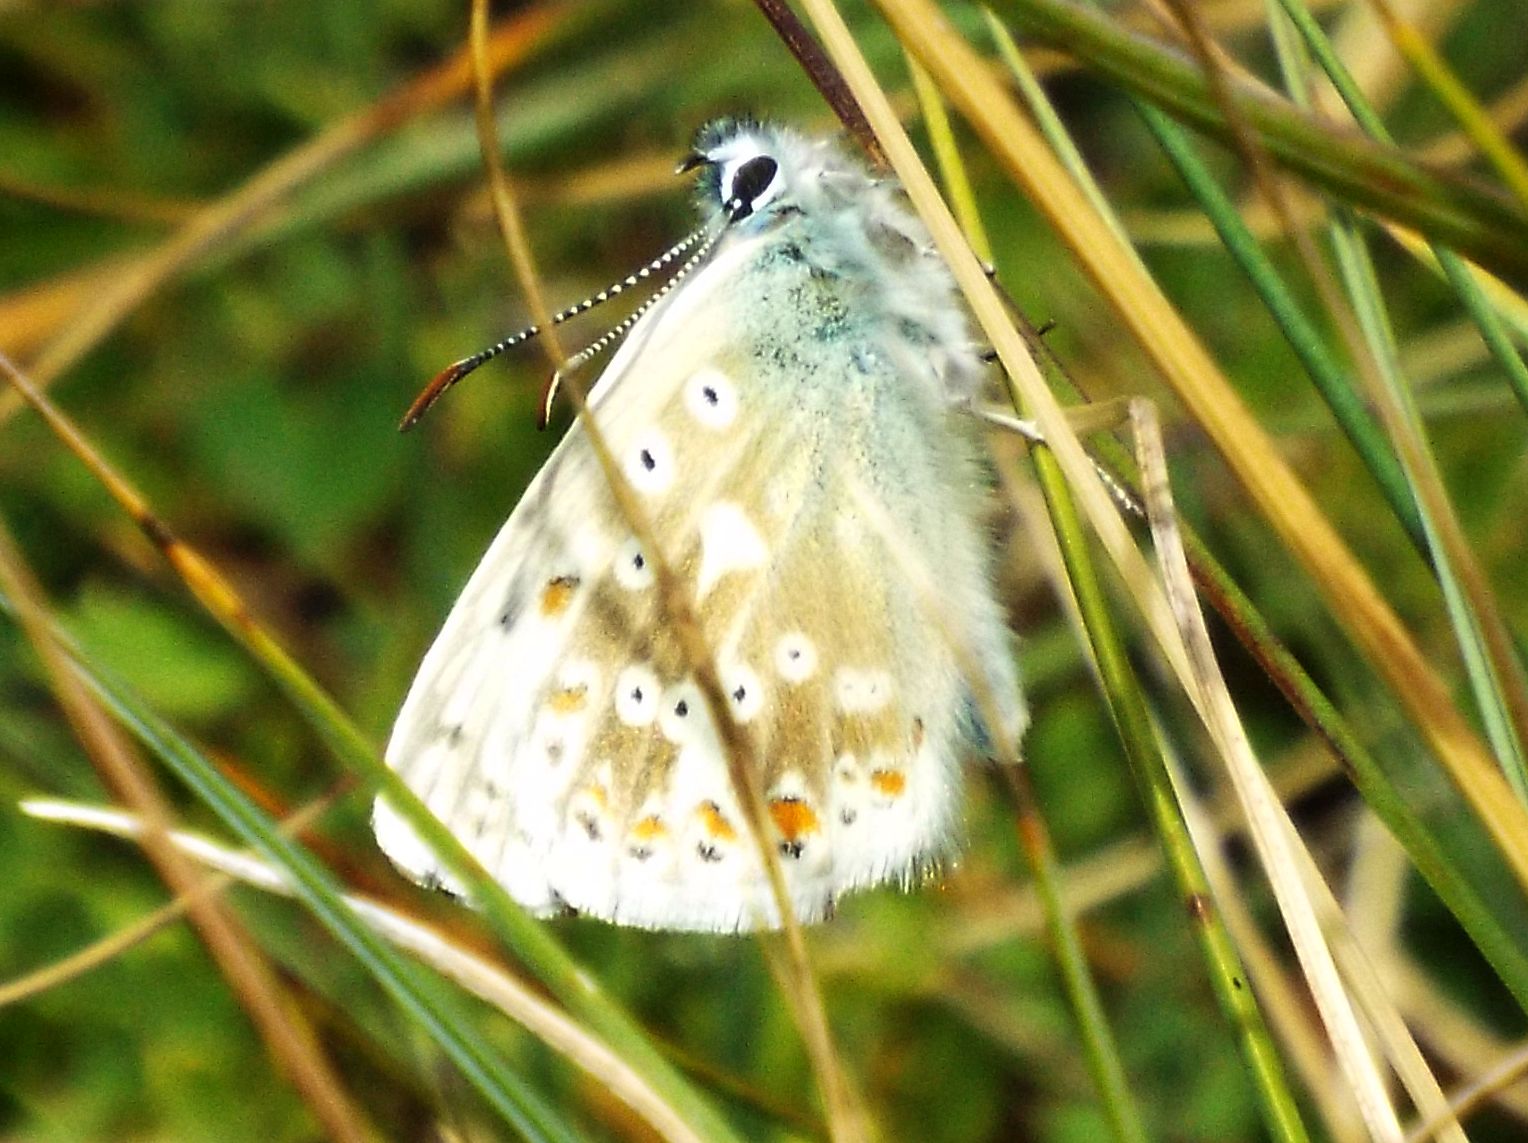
[555, 726]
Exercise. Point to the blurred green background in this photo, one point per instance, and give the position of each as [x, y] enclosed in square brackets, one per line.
[254, 399]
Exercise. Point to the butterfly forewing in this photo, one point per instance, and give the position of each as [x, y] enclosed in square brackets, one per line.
[555, 725]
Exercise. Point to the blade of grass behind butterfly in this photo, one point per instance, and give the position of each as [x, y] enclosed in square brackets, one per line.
[288, 1038]
[1496, 673]
[1303, 337]
[1351, 595]
[1431, 859]
[1200, 680]
[1306, 341]
[1480, 918]
[1064, 147]
[1458, 211]
[1098, 1039]
[1483, 920]
[435, 1009]
[1345, 403]
[1276, 1101]
[845, 1109]
[1434, 71]
[524, 936]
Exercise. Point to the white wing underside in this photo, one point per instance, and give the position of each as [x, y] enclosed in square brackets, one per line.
[553, 725]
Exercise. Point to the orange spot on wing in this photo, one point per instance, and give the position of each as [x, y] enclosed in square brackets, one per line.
[794, 818]
[715, 823]
[557, 594]
[889, 782]
[650, 828]
[567, 700]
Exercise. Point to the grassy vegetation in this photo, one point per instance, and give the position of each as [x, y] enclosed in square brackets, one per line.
[238, 238]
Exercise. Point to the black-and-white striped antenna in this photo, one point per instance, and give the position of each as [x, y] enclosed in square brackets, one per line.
[736, 208]
[619, 330]
[454, 372]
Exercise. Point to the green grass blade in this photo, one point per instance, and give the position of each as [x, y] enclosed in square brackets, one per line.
[436, 1010]
[1495, 678]
[1490, 323]
[1487, 226]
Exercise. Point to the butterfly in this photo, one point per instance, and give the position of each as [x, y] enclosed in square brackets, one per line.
[792, 417]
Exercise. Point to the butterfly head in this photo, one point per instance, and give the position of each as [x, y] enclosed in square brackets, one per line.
[754, 175]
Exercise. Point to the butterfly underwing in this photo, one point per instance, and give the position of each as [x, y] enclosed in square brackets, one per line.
[792, 419]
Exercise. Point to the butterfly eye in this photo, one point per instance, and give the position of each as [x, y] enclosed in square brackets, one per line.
[751, 186]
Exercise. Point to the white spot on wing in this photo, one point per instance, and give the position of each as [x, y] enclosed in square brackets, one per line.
[631, 568]
[711, 398]
[728, 542]
[636, 695]
[795, 657]
[682, 713]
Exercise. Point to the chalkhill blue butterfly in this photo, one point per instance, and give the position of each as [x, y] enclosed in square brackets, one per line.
[792, 415]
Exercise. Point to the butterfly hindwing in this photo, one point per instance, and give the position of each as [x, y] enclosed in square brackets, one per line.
[807, 482]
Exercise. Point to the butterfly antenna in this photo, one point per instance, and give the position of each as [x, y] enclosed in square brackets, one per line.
[621, 328]
[454, 372]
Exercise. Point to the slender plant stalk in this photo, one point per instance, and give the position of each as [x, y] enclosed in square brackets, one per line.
[1494, 668]
[1099, 1045]
[1476, 122]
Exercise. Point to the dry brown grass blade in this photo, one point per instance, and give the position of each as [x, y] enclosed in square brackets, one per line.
[1279, 849]
[32, 315]
[288, 1037]
[247, 205]
[501, 192]
[1350, 593]
[1503, 1082]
